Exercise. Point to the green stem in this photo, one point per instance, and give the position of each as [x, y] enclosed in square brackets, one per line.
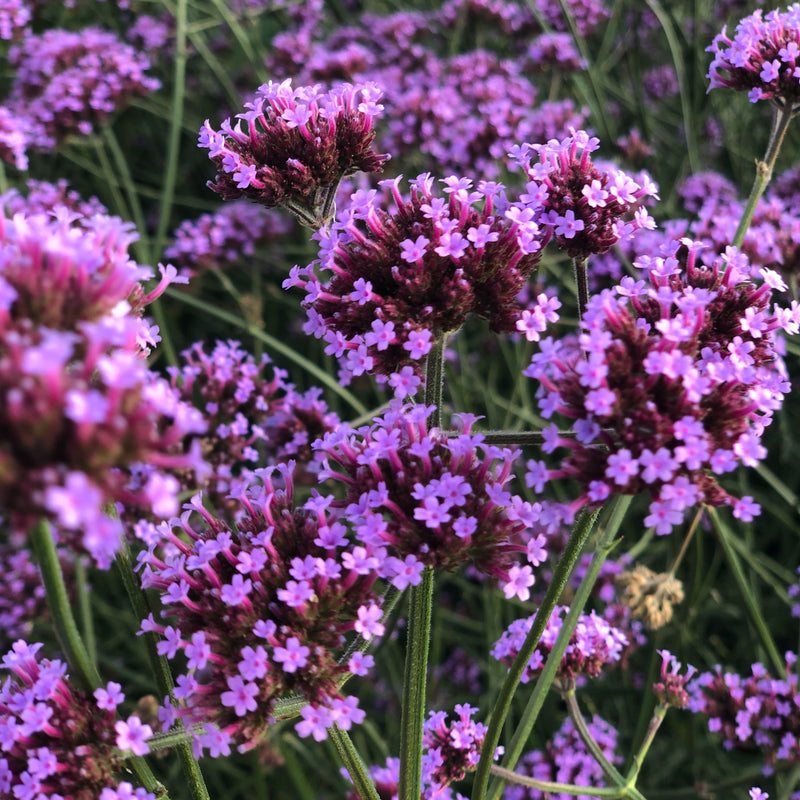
[160, 666]
[780, 124]
[83, 671]
[756, 617]
[176, 122]
[352, 760]
[562, 574]
[574, 711]
[551, 786]
[434, 379]
[582, 282]
[641, 753]
[85, 608]
[414, 687]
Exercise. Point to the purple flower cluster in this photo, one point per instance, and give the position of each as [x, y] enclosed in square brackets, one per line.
[762, 59]
[673, 382]
[565, 759]
[586, 15]
[68, 82]
[452, 748]
[252, 420]
[261, 611]
[43, 197]
[671, 689]
[297, 146]
[401, 280]
[756, 712]
[58, 742]
[14, 18]
[434, 500]
[77, 400]
[14, 138]
[237, 232]
[594, 645]
[586, 210]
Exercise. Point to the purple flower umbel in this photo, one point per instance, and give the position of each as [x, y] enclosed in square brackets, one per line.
[59, 742]
[297, 146]
[762, 59]
[261, 611]
[402, 279]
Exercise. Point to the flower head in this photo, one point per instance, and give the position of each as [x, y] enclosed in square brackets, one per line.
[400, 280]
[433, 500]
[262, 611]
[670, 690]
[58, 738]
[762, 59]
[593, 645]
[587, 209]
[297, 146]
[672, 384]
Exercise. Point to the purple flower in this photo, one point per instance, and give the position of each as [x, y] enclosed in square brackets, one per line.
[58, 736]
[441, 499]
[297, 145]
[69, 82]
[760, 59]
[671, 385]
[754, 712]
[593, 645]
[426, 270]
[587, 210]
[565, 759]
[308, 589]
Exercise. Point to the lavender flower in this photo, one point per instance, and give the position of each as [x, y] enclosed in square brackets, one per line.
[298, 145]
[762, 58]
[754, 712]
[593, 646]
[671, 689]
[42, 197]
[261, 611]
[232, 235]
[401, 280]
[565, 759]
[253, 420]
[14, 138]
[78, 402]
[586, 210]
[433, 500]
[69, 82]
[14, 18]
[673, 384]
[59, 742]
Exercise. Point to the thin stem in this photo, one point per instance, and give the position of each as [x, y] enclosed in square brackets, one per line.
[551, 786]
[176, 123]
[354, 764]
[641, 753]
[414, 687]
[161, 669]
[83, 671]
[85, 608]
[566, 564]
[686, 540]
[536, 701]
[582, 282]
[434, 379]
[757, 618]
[780, 124]
[574, 711]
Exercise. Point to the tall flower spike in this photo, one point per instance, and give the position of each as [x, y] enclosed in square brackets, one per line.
[297, 144]
[673, 383]
[400, 280]
[261, 611]
[762, 59]
[59, 742]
